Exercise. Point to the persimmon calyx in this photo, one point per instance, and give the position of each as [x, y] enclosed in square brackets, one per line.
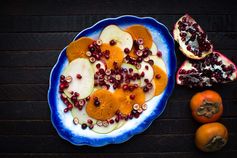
[216, 143]
[208, 109]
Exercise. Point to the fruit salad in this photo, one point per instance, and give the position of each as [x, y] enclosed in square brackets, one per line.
[109, 80]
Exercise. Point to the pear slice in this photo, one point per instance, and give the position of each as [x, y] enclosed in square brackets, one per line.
[83, 86]
[148, 72]
[112, 32]
[154, 49]
[151, 93]
[105, 130]
[158, 62]
[81, 115]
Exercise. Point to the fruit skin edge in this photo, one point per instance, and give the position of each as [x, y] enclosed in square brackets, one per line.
[65, 133]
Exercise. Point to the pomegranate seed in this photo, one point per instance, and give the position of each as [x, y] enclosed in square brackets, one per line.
[159, 54]
[76, 94]
[99, 123]
[142, 74]
[141, 47]
[99, 42]
[131, 88]
[89, 121]
[136, 106]
[139, 53]
[75, 120]
[98, 65]
[108, 72]
[96, 102]
[84, 126]
[125, 87]
[117, 119]
[91, 126]
[140, 110]
[139, 41]
[66, 102]
[130, 116]
[158, 76]
[146, 59]
[151, 62]
[92, 59]
[88, 98]
[126, 50]
[149, 85]
[132, 96]
[111, 121]
[65, 110]
[135, 85]
[69, 106]
[146, 80]
[145, 89]
[188, 47]
[82, 102]
[80, 107]
[61, 86]
[112, 42]
[91, 48]
[63, 96]
[88, 53]
[76, 104]
[146, 67]
[130, 70]
[62, 77]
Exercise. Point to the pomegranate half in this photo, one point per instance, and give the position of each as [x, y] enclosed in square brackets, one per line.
[191, 38]
[215, 68]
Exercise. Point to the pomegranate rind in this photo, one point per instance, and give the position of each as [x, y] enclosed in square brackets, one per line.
[183, 47]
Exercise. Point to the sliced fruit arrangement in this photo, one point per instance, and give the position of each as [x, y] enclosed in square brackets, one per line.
[192, 39]
[204, 66]
[109, 80]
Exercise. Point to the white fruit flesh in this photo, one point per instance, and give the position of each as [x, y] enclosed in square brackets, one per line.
[158, 62]
[130, 66]
[154, 49]
[150, 94]
[81, 115]
[148, 73]
[105, 130]
[83, 86]
[183, 46]
[112, 32]
[121, 123]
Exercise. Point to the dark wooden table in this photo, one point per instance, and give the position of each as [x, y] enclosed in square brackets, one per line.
[32, 33]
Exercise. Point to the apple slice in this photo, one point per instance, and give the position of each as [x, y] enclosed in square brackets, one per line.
[105, 130]
[130, 66]
[83, 86]
[112, 32]
[121, 123]
[81, 115]
[148, 72]
[154, 49]
[158, 62]
[151, 93]
[101, 63]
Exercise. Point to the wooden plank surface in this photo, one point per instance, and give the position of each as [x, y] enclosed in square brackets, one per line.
[32, 34]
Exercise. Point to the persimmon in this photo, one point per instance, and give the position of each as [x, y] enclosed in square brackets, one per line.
[78, 48]
[160, 79]
[115, 55]
[206, 106]
[211, 137]
[140, 32]
[128, 98]
[103, 105]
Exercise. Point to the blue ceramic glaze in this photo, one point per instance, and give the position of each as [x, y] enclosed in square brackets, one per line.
[163, 40]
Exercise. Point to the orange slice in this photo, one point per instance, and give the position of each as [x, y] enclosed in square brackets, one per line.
[116, 55]
[78, 48]
[108, 105]
[139, 31]
[160, 81]
[125, 101]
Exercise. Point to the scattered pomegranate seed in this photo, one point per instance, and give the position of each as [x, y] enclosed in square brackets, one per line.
[80, 107]
[61, 86]
[149, 85]
[126, 50]
[62, 77]
[130, 70]
[142, 74]
[75, 120]
[112, 42]
[117, 119]
[98, 65]
[159, 54]
[132, 96]
[82, 102]
[79, 76]
[69, 106]
[140, 41]
[76, 94]
[151, 62]
[145, 89]
[76, 104]
[140, 110]
[158, 76]
[146, 67]
[89, 121]
[131, 88]
[88, 98]
[91, 126]
[125, 87]
[84, 126]
[146, 80]
[65, 110]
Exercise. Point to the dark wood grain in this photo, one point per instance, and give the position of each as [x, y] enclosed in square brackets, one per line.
[32, 34]
[52, 41]
[210, 23]
[83, 7]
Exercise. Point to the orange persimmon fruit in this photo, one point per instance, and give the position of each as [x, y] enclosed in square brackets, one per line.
[160, 79]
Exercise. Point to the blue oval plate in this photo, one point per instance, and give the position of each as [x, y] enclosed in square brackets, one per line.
[63, 121]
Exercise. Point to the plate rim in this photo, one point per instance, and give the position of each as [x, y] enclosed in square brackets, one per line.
[148, 120]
